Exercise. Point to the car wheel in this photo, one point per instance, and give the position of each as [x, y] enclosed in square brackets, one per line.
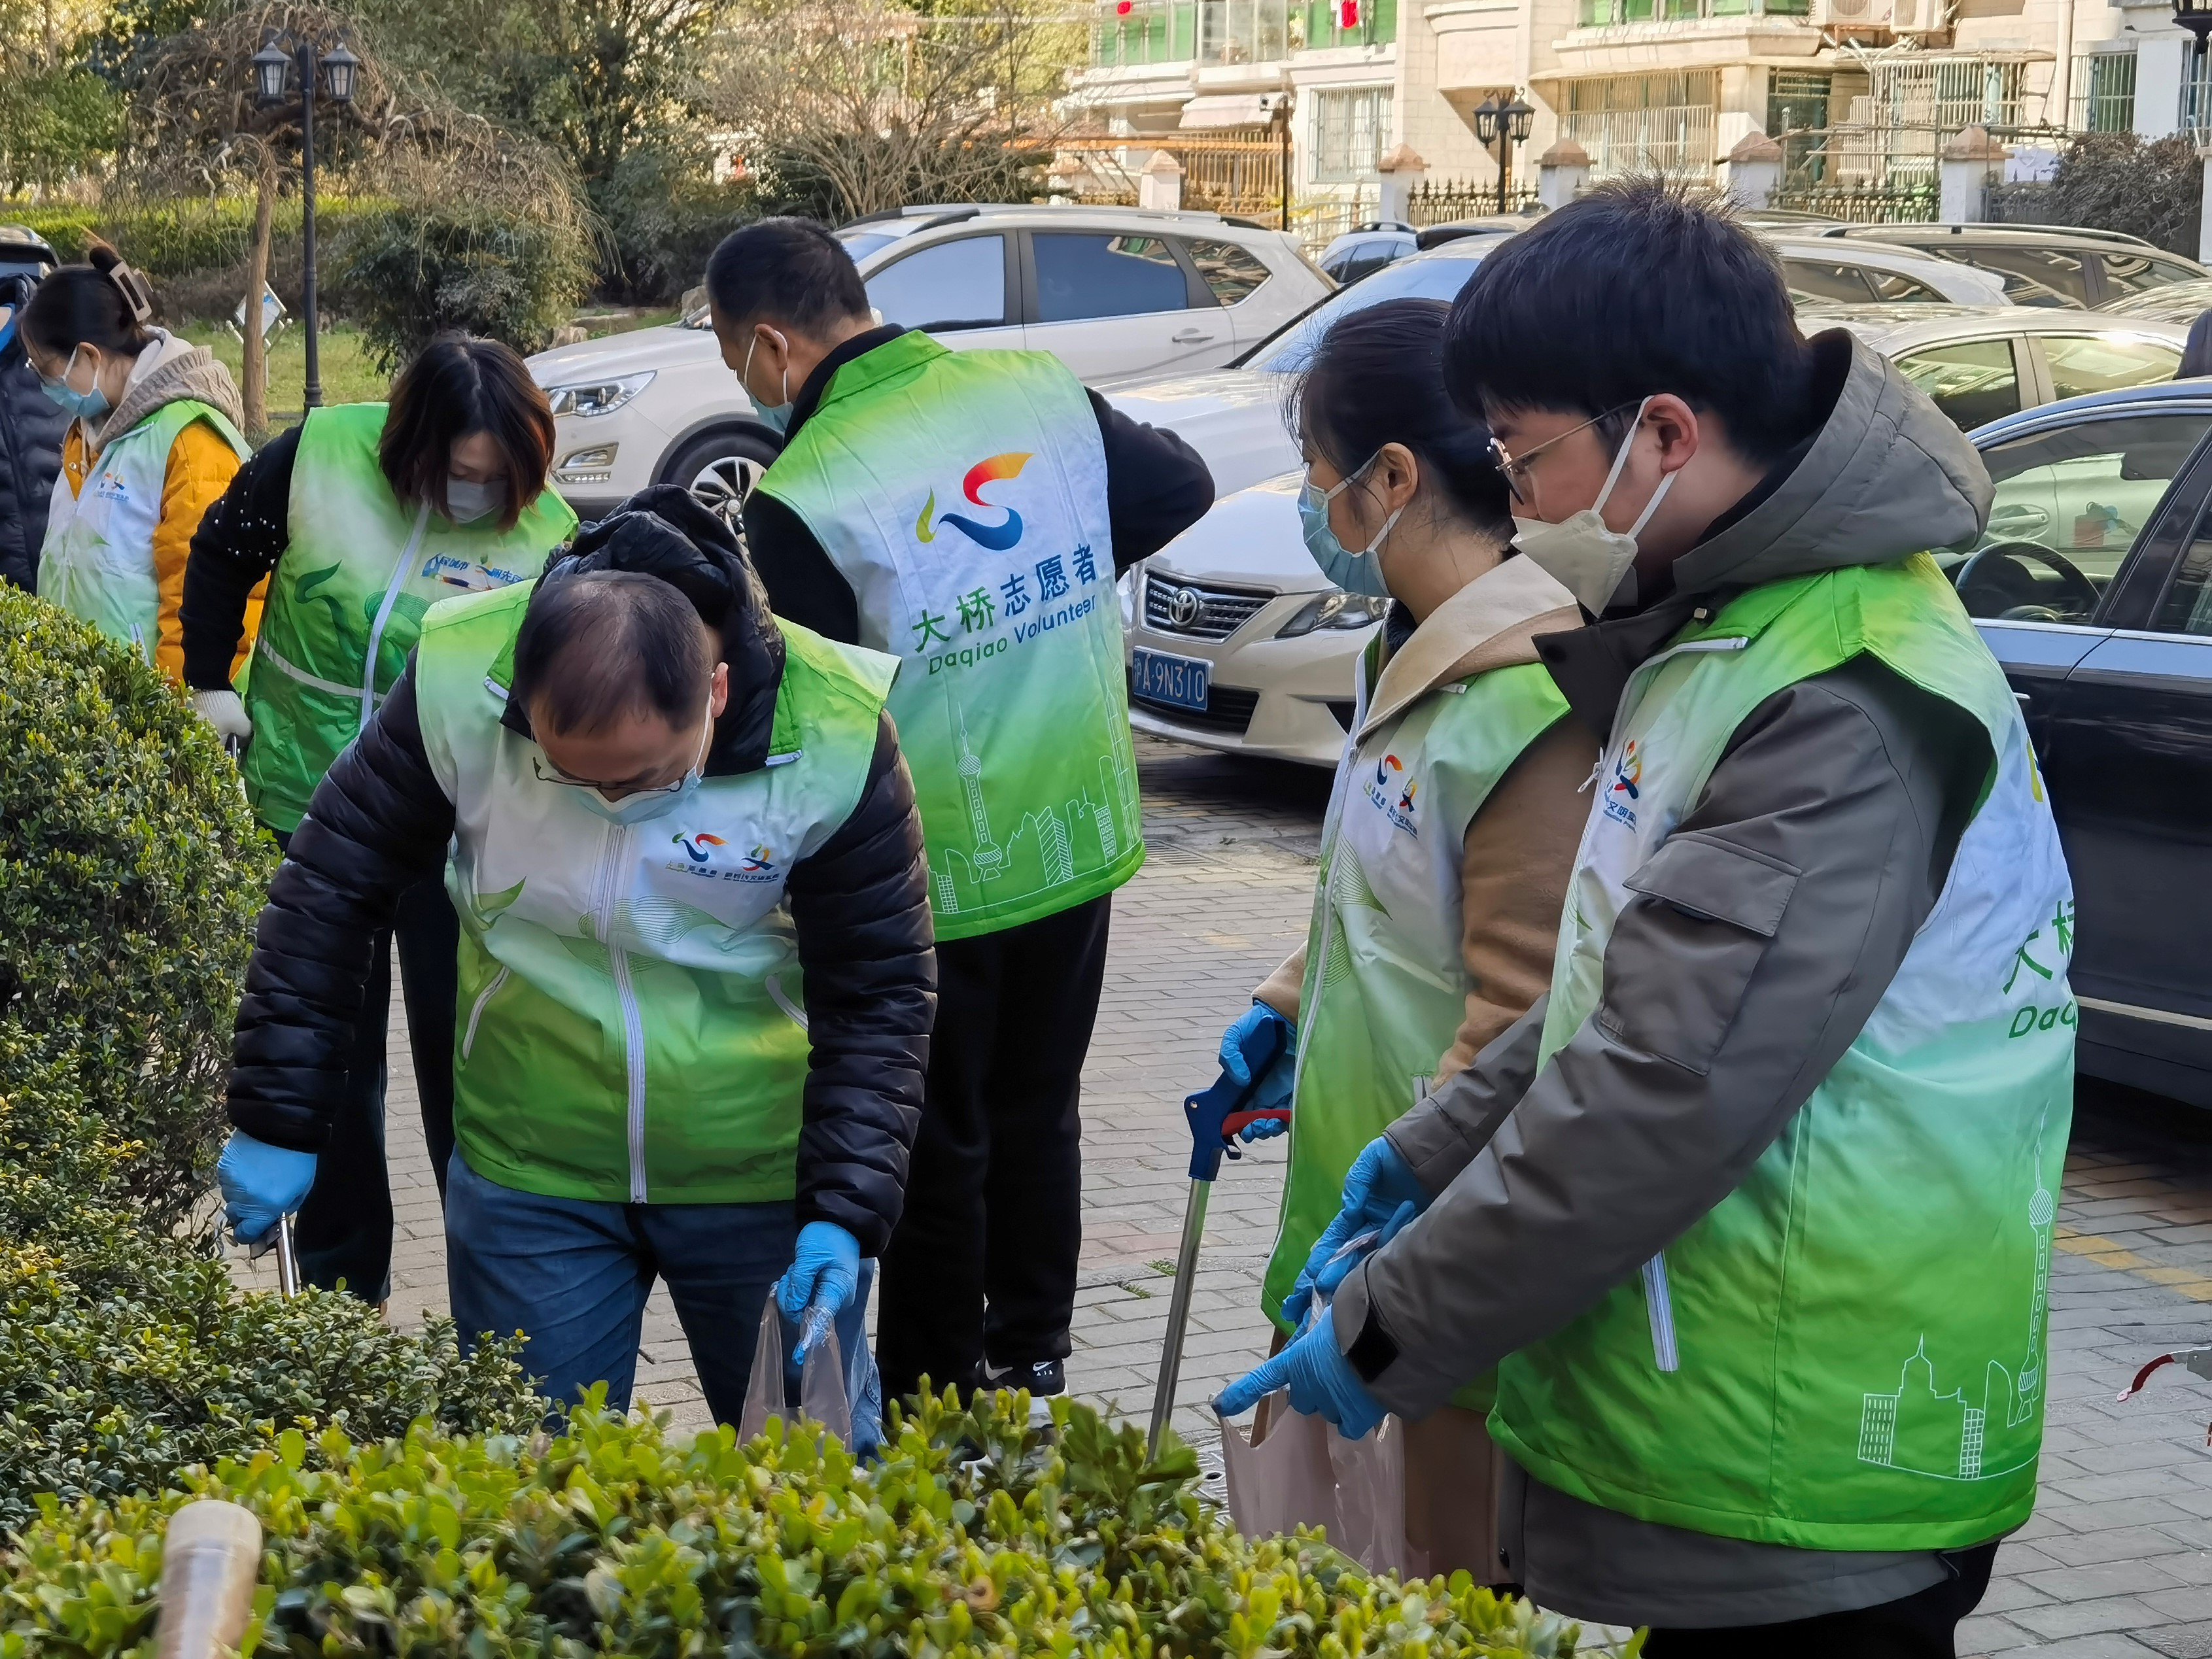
[720, 470]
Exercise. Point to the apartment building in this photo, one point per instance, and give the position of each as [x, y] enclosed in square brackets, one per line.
[1860, 92]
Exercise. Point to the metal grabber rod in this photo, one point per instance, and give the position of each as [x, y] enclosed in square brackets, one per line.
[1215, 1116]
[279, 1238]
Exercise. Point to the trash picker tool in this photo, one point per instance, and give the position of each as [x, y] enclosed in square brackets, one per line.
[1215, 1116]
[279, 1239]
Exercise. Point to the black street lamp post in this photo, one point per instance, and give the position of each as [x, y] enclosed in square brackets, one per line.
[1507, 125]
[282, 58]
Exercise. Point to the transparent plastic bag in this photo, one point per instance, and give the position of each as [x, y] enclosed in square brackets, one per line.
[822, 1397]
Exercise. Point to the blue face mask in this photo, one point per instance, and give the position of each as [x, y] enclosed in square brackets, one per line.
[86, 406]
[646, 804]
[775, 415]
[1359, 572]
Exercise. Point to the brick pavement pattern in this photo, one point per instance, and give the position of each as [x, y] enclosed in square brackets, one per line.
[2117, 1562]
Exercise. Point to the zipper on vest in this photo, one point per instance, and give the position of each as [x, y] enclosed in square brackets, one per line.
[469, 1039]
[626, 999]
[1664, 1354]
[384, 611]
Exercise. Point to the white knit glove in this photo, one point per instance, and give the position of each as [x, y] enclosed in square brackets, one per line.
[223, 711]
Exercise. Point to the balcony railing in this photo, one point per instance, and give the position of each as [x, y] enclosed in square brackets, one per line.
[1669, 138]
[1216, 33]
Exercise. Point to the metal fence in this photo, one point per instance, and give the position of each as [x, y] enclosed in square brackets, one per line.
[2025, 203]
[1223, 173]
[1442, 201]
[1863, 204]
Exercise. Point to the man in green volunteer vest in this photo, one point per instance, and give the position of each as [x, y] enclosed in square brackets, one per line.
[968, 512]
[1754, 1211]
[693, 965]
[360, 518]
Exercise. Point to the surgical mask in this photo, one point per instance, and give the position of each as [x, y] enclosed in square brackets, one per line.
[775, 415]
[467, 502]
[86, 406]
[1579, 552]
[646, 804]
[1359, 572]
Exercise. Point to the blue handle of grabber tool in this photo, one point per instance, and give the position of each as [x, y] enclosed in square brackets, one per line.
[1210, 1111]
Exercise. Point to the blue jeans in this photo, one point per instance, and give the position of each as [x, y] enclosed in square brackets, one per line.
[573, 1277]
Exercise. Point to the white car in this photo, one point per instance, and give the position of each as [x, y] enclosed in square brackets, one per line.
[1236, 642]
[1113, 292]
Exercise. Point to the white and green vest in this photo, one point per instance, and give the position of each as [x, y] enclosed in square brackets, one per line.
[98, 560]
[1385, 987]
[1012, 707]
[346, 601]
[631, 1021]
[1848, 1351]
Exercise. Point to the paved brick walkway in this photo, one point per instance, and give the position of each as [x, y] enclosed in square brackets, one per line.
[2117, 1560]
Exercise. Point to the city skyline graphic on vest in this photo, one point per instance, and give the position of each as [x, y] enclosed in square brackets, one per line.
[997, 538]
[1920, 1428]
[1042, 851]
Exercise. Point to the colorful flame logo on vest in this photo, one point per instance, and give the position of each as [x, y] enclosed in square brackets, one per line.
[997, 537]
[694, 846]
[1628, 773]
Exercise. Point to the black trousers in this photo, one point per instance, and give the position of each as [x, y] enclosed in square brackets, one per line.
[1925, 1625]
[982, 1263]
[344, 1231]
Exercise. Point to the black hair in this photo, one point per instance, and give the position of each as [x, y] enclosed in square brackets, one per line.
[102, 302]
[457, 385]
[600, 644]
[1643, 286]
[785, 270]
[1378, 378]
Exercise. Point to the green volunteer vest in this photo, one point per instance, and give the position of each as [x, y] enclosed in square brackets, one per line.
[1385, 986]
[631, 1023]
[98, 560]
[1011, 704]
[346, 601]
[1848, 1351]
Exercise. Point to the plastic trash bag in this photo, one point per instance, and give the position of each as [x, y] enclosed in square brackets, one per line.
[1296, 1470]
[821, 1380]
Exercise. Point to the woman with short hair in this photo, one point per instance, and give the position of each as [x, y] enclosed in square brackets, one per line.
[360, 518]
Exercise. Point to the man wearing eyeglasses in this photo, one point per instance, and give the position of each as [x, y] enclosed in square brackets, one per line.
[695, 974]
[1754, 1211]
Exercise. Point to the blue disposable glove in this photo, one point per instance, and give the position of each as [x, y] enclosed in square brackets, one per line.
[1379, 1185]
[1257, 1033]
[822, 1276]
[1320, 1378]
[260, 1183]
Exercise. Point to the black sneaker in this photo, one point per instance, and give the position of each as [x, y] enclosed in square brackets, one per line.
[1043, 1379]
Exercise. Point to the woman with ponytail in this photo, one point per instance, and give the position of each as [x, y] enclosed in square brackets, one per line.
[153, 441]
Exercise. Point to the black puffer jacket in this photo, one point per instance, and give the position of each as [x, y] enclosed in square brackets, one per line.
[31, 428]
[378, 822]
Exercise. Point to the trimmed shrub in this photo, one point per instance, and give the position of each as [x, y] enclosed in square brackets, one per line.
[974, 1537]
[2116, 181]
[411, 271]
[130, 874]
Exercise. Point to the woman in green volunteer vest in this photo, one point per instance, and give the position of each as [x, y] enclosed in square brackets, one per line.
[153, 439]
[1449, 832]
[360, 518]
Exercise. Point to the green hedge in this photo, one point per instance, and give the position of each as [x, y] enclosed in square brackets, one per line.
[182, 236]
[977, 1536]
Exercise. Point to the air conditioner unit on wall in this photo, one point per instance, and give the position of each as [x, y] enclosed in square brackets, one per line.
[1920, 16]
[1857, 14]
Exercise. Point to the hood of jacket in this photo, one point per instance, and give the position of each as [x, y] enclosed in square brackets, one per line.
[663, 532]
[1886, 476]
[1491, 622]
[168, 370]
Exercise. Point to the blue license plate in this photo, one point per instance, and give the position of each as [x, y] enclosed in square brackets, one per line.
[1180, 681]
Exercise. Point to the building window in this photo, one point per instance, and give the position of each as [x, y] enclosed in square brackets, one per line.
[1602, 14]
[1796, 119]
[1351, 125]
[1643, 123]
[2103, 93]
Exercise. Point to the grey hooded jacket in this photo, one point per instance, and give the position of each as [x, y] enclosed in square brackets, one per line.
[1552, 1186]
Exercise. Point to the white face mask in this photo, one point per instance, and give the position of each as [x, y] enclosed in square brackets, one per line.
[1579, 552]
[775, 415]
[466, 501]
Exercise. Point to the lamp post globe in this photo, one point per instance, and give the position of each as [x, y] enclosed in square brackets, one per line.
[1486, 119]
[340, 68]
[272, 68]
[1516, 116]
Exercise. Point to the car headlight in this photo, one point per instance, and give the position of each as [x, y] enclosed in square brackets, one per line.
[1334, 610]
[588, 398]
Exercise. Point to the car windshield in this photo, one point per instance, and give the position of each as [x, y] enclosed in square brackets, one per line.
[2068, 504]
[860, 242]
[1286, 349]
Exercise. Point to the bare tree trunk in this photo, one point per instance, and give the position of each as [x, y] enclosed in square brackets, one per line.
[255, 391]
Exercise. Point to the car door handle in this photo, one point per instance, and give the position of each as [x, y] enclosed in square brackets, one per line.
[1190, 336]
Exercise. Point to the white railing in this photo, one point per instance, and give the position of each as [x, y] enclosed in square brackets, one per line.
[1676, 138]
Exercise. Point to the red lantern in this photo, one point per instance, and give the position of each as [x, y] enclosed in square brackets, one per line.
[1123, 8]
[1347, 14]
